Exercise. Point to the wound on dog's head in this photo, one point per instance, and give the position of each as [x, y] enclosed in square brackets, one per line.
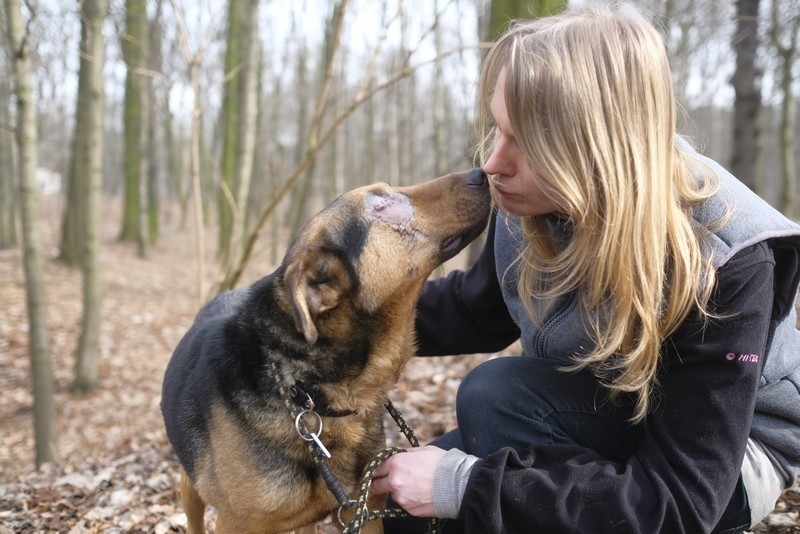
[392, 208]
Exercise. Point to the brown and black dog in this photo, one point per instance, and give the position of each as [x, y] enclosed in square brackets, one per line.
[336, 319]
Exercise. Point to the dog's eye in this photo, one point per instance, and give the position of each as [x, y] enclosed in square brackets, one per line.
[319, 280]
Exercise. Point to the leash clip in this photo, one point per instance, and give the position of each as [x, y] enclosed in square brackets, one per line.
[295, 390]
[311, 436]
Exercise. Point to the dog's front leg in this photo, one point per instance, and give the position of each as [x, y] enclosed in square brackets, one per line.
[193, 506]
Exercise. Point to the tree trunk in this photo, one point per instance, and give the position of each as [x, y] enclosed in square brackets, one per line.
[299, 195]
[248, 124]
[153, 143]
[90, 108]
[44, 413]
[134, 47]
[441, 117]
[230, 123]
[786, 27]
[194, 60]
[8, 167]
[747, 103]
[194, 164]
[73, 227]
[74, 211]
[679, 43]
[144, 157]
[177, 182]
[318, 138]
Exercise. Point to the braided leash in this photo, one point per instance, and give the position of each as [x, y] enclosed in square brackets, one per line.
[401, 423]
[320, 454]
[362, 513]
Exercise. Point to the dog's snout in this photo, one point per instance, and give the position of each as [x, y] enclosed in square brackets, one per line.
[476, 177]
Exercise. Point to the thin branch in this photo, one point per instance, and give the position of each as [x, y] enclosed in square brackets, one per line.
[194, 60]
[362, 87]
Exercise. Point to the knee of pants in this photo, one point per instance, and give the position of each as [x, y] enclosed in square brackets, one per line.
[521, 401]
[499, 404]
[507, 384]
[481, 389]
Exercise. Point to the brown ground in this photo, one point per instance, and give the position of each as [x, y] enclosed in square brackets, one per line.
[117, 473]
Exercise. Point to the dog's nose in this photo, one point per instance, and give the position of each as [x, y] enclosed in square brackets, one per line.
[476, 177]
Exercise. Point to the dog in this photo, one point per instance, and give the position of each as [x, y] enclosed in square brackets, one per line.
[334, 321]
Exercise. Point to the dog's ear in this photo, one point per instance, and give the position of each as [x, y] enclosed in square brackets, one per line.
[315, 283]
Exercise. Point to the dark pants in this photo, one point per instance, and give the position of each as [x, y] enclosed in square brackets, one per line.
[520, 401]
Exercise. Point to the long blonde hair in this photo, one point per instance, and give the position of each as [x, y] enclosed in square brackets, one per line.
[589, 97]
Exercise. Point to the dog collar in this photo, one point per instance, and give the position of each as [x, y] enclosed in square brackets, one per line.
[301, 395]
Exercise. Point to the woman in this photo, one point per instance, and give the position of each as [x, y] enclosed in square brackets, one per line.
[653, 295]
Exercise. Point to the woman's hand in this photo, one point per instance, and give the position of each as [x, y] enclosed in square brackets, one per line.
[408, 477]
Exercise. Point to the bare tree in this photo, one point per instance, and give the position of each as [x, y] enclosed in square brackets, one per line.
[194, 56]
[152, 141]
[784, 35]
[330, 47]
[74, 223]
[8, 207]
[238, 16]
[440, 108]
[134, 49]
[681, 15]
[247, 125]
[44, 413]
[746, 85]
[89, 128]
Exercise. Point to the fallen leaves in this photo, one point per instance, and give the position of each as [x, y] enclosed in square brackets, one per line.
[134, 493]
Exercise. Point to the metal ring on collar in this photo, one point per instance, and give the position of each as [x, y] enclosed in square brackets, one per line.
[310, 435]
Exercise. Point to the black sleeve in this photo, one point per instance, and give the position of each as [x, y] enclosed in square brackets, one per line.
[464, 313]
[683, 474]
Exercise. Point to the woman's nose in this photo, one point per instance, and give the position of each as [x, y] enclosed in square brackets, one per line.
[497, 162]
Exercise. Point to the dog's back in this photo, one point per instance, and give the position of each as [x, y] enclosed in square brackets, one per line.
[190, 382]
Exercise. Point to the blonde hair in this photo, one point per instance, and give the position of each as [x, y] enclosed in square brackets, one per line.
[589, 97]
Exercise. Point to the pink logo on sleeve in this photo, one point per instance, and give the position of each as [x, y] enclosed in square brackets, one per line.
[745, 357]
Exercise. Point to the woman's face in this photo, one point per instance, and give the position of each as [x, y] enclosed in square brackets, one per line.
[517, 187]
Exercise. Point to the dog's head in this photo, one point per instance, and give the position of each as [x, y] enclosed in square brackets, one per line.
[370, 251]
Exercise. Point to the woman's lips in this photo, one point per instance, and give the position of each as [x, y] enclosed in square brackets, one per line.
[499, 188]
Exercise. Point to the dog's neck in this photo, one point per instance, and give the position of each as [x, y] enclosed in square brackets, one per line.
[348, 373]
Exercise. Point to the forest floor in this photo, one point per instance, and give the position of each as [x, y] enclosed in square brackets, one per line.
[116, 471]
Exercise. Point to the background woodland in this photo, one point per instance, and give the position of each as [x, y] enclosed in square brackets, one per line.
[155, 152]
